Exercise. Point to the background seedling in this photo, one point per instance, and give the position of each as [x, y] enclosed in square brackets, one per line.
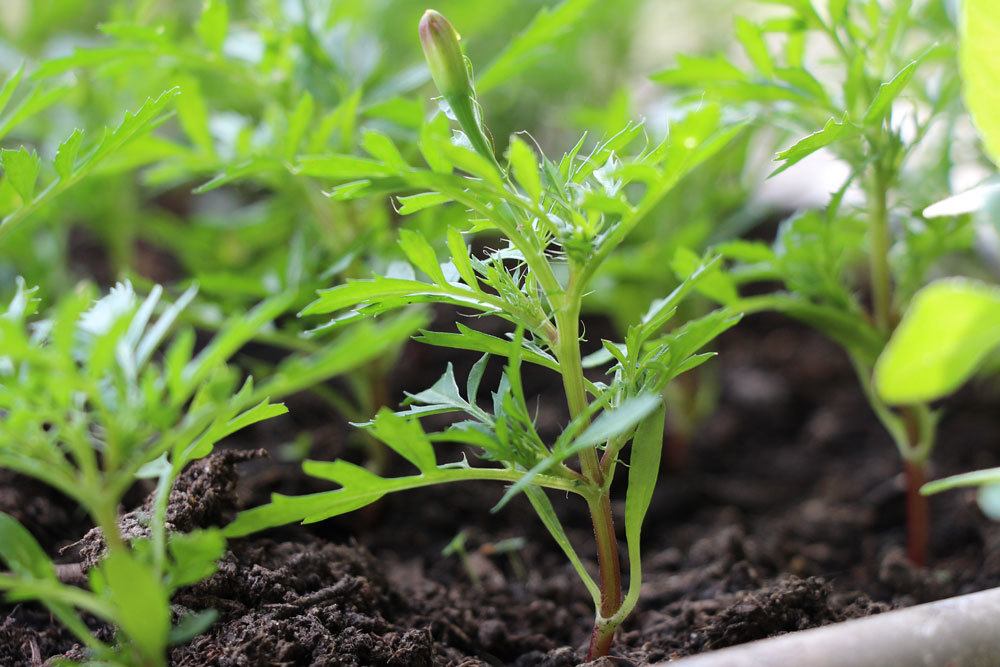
[878, 119]
[952, 325]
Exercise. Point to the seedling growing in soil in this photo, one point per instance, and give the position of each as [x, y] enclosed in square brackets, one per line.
[555, 223]
[98, 394]
[952, 325]
[876, 118]
[87, 408]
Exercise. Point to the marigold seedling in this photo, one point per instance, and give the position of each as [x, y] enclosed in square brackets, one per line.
[873, 116]
[558, 222]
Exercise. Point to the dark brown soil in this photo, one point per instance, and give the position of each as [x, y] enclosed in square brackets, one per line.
[787, 516]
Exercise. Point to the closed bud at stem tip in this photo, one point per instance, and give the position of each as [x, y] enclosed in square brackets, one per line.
[444, 56]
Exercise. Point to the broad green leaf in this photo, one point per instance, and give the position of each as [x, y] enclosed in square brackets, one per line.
[472, 162]
[357, 346]
[980, 34]
[950, 327]
[697, 71]
[342, 167]
[714, 284]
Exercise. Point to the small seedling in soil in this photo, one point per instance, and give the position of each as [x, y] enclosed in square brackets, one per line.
[951, 327]
[88, 407]
[954, 324]
[555, 223]
[101, 393]
[877, 116]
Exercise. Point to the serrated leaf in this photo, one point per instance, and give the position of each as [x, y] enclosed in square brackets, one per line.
[405, 437]
[66, 154]
[21, 170]
[881, 105]
[834, 130]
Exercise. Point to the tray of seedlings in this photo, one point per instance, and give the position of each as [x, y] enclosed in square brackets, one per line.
[630, 333]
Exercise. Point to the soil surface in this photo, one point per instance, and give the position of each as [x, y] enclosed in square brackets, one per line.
[787, 515]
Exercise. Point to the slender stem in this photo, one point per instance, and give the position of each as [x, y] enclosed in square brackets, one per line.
[158, 522]
[610, 571]
[568, 325]
[917, 513]
[879, 241]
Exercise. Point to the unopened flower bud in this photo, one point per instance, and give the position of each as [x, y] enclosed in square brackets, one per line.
[444, 55]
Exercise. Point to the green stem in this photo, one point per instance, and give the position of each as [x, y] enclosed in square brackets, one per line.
[158, 522]
[879, 241]
[568, 351]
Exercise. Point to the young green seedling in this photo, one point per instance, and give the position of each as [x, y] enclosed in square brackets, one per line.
[101, 393]
[556, 223]
[952, 325]
[874, 116]
[88, 408]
